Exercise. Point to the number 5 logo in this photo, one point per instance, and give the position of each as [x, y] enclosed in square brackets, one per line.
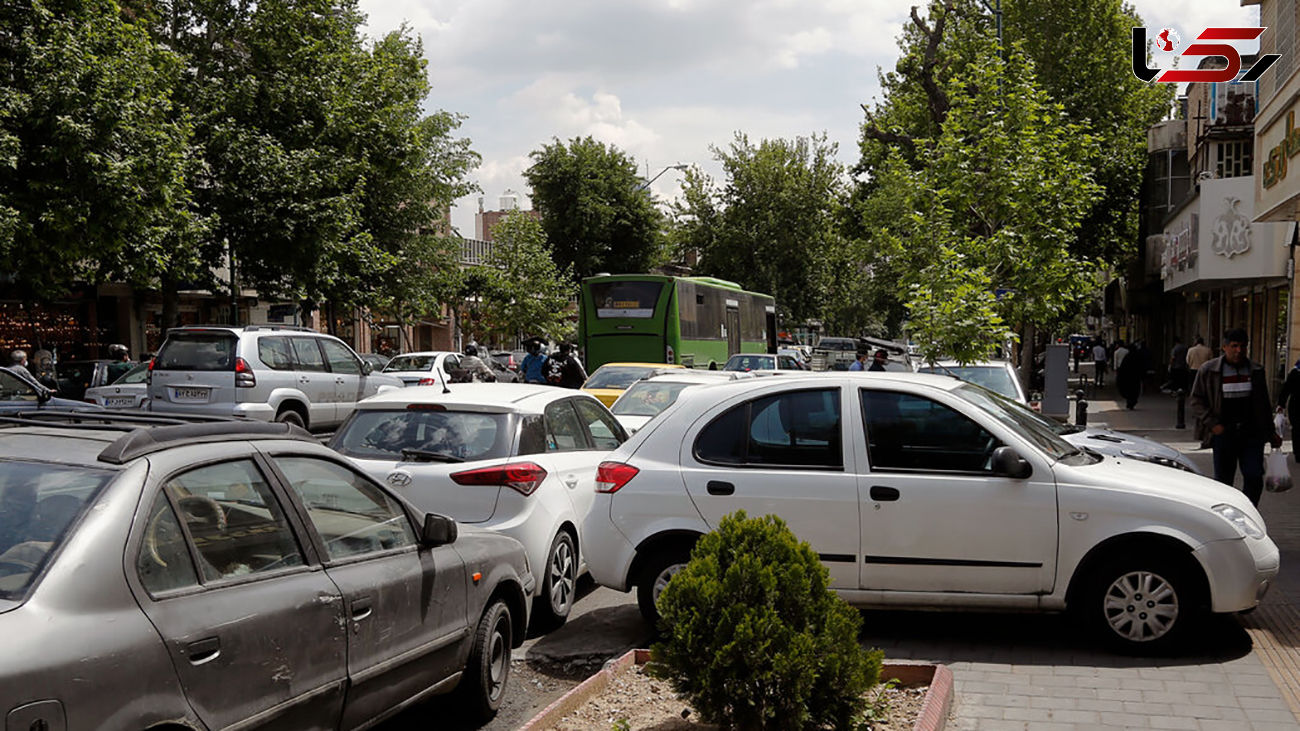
[1222, 50]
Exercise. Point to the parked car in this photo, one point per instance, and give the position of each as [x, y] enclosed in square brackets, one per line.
[19, 393]
[648, 397]
[761, 362]
[75, 376]
[507, 359]
[426, 368]
[503, 373]
[927, 492]
[262, 372]
[516, 458]
[1000, 377]
[235, 574]
[799, 358]
[376, 360]
[609, 381]
[131, 391]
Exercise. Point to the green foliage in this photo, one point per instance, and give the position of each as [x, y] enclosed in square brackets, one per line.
[755, 638]
[771, 227]
[953, 313]
[595, 209]
[519, 288]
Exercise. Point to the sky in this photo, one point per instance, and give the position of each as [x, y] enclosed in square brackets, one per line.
[664, 80]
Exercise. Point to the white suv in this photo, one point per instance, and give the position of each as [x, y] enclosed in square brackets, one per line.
[263, 372]
[926, 492]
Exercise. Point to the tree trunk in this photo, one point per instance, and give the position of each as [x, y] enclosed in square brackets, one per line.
[1027, 337]
[171, 305]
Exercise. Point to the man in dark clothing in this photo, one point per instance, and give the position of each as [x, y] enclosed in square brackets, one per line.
[121, 362]
[1289, 399]
[1179, 375]
[563, 369]
[1129, 372]
[878, 360]
[1234, 415]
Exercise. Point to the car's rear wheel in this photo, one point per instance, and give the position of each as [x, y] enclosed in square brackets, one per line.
[654, 579]
[559, 583]
[1144, 604]
[488, 669]
[289, 415]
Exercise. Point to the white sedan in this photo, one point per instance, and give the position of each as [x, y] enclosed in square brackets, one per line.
[927, 492]
[516, 458]
[643, 400]
[130, 391]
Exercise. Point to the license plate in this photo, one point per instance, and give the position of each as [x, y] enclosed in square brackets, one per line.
[191, 394]
[120, 401]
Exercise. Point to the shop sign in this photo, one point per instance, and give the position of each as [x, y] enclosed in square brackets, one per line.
[1276, 163]
[1232, 231]
[1180, 252]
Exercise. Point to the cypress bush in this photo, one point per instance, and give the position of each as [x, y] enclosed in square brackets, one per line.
[754, 638]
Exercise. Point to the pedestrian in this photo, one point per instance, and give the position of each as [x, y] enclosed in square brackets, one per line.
[859, 363]
[1099, 363]
[121, 362]
[1288, 399]
[1129, 368]
[18, 364]
[1118, 355]
[878, 360]
[563, 369]
[1178, 368]
[41, 366]
[1234, 415]
[1197, 355]
[533, 362]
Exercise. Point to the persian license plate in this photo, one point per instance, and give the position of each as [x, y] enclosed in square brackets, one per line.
[191, 394]
[116, 402]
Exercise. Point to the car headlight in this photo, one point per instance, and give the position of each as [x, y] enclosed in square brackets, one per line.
[1239, 520]
[1156, 459]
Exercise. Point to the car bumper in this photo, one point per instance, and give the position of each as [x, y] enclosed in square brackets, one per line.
[609, 553]
[1240, 571]
[255, 412]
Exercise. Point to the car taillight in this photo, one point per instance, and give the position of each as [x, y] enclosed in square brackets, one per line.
[244, 377]
[612, 476]
[427, 382]
[522, 477]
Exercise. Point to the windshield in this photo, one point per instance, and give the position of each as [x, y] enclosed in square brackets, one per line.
[750, 363]
[411, 363]
[197, 352]
[1019, 418]
[37, 504]
[995, 378]
[617, 376]
[648, 398]
[464, 435]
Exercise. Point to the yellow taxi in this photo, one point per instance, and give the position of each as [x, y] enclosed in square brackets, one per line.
[609, 381]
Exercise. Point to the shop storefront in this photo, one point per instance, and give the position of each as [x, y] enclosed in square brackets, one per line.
[1277, 190]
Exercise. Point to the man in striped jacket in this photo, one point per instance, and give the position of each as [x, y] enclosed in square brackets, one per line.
[1234, 415]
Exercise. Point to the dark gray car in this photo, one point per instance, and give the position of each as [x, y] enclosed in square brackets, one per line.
[213, 575]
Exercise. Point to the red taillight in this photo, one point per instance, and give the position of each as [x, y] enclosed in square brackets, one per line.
[425, 407]
[244, 377]
[151, 362]
[522, 477]
[612, 476]
[427, 382]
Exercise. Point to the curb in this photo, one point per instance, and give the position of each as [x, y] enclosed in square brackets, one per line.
[934, 710]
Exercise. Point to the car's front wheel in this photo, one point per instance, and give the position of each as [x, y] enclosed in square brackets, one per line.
[654, 579]
[1144, 604]
[488, 669]
[559, 583]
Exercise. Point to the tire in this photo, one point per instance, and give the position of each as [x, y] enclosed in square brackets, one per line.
[655, 577]
[483, 686]
[291, 416]
[559, 583]
[1144, 604]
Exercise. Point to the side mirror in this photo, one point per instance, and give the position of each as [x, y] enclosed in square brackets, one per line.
[1007, 463]
[438, 530]
[367, 367]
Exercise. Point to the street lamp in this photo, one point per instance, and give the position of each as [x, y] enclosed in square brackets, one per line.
[646, 184]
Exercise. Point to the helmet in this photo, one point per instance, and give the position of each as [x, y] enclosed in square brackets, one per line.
[117, 349]
[471, 350]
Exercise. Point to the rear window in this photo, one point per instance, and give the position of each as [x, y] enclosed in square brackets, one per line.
[750, 363]
[648, 398]
[410, 363]
[38, 504]
[626, 299]
[617, 376]
[197, 352]
[137, 374]
[837, 344]
[459, 436]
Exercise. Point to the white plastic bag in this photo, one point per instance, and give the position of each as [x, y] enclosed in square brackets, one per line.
[1282, 425]
[1277, 476]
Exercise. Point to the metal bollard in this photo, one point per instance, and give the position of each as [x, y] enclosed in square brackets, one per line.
[1181, 422]
[1080, 409]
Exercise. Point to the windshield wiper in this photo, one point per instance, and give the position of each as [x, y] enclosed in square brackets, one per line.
[424, 455]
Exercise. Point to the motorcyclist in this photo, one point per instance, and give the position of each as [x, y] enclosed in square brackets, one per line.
[533, 362]
[121, 362]
[473, 367]
[564, 370]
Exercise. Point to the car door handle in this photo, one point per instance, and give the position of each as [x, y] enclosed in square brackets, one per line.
[361, 608]
[883, 494]
[204, 651]
[718, 487]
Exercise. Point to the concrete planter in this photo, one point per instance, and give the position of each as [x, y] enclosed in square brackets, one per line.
[934, 712]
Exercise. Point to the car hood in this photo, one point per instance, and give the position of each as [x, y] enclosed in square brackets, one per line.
[1136, 477]
[1115, 443]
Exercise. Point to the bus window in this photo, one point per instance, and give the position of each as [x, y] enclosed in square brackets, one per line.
[626, 299]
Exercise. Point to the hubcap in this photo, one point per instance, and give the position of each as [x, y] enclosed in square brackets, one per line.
[661, 581]
[1141, 606]
[498, 659]
[563, 577]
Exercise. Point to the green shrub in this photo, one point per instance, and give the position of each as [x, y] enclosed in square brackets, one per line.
[755, 639]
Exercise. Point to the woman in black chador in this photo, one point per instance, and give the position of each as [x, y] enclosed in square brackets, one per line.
[1129, 375]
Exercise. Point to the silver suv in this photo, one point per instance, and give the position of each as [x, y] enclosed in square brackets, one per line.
[263, 372]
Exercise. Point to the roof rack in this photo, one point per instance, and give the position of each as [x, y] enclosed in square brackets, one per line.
[246, 328]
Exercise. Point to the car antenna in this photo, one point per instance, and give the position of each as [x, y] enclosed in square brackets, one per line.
[443, 371]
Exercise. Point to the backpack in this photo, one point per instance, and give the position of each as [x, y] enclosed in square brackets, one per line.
[554, 370]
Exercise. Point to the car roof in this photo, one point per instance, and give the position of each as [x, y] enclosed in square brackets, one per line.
[425, 353]
[975, 364]
[498, 397]
[641, 365]
[691, 376]
[805, 379]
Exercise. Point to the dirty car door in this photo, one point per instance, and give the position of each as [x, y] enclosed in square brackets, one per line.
[254, 633]
[405, 605]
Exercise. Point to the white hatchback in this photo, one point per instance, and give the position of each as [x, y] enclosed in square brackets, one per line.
[516, 458]
[926, 492]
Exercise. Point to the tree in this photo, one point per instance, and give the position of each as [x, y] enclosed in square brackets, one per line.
[771, 226]
[596, 211]
[93, 149]
[521, 291]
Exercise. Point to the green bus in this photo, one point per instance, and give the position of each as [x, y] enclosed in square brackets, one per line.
[691, 321]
